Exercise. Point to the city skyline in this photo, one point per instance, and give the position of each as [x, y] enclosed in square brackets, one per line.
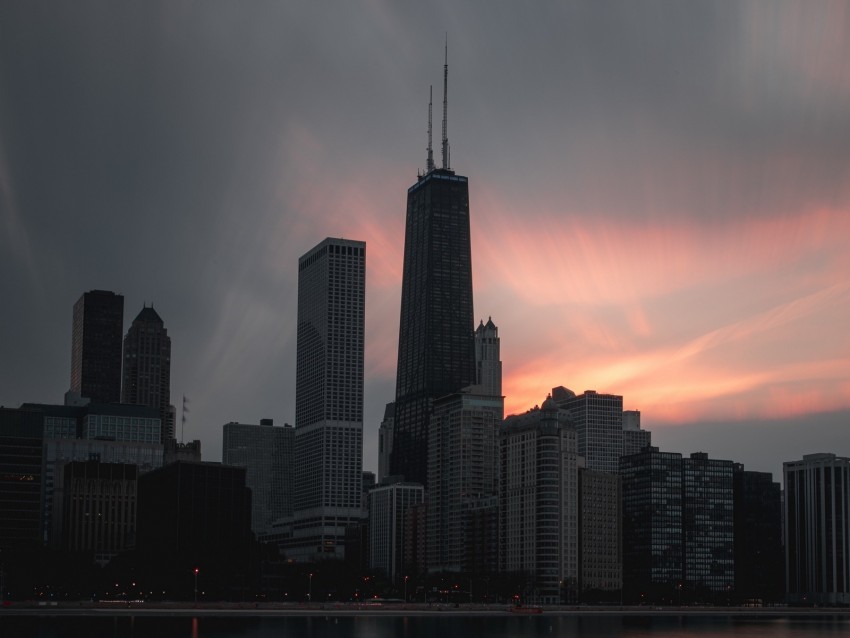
[660, 200]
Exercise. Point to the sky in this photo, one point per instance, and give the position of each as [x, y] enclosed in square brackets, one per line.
[659, 198]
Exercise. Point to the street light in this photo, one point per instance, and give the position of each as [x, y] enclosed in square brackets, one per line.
[310, 587]
[405, 588]
[196, 585]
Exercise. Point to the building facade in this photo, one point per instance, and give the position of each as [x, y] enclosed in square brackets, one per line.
[195, 516]
[146, 376]
[328, 398]
[652, 526]
[385, 442]
[96, 346]
[21, 438]
[634, 438]
[109, 433]
[266, 453]
[488, 362]
[600, 537]
[388, 505]
[598, 420]
[99, 508]
[817, 529]
[538, 500]
[707, 525]
[463, 469]
[759, 555]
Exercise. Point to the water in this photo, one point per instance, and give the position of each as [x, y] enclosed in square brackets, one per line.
[497, 626]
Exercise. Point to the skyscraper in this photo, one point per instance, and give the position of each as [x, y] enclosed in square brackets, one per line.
[265, 451]
[707, 525]
[147, 367]
[436, 352]
[817, 529]
[388, 504]
[759, 555]
[463, 474]
[96, 346]
[488, 364]
[21, 440]
[652, 525]
[599, 425]
[538, 495]
[328, 397]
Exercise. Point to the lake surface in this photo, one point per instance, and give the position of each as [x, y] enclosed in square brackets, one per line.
[497, 626]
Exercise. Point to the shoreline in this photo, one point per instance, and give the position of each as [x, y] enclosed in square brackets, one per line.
[410, 609]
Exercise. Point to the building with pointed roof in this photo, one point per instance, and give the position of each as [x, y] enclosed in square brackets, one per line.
[147, 367]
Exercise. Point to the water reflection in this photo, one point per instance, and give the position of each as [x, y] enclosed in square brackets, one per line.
[448, 626]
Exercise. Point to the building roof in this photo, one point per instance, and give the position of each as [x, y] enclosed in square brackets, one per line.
[148, 315]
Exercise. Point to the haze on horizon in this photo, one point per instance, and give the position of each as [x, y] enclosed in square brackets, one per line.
[659, 196]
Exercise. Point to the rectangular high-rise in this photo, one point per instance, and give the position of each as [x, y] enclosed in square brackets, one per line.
[817, 529]
[96, 346]
[21, 439]
[265, 451]
[463, 472]
[759, 555]
[388, 504]
[599, 425]
[329, 397]
[538, 503]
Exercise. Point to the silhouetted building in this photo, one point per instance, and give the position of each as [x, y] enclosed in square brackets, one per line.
[99, 508]
[175, 450]
[677, 528]
[387, 508]
[598, 420]
[195, 516]
[21, 436]
[463, 469]
[707, 525]
[436, 352]
[385, 442]
[328, 398]
[367, 485]
[84, 431]
[266, 453]
[147, 367]
[481, 535]
[652, 526]
[634, 439]
[96, 346]
[600, 537]
[817, 529]
[759, 555]
[488, 363]
[416, 546]
[538, 496]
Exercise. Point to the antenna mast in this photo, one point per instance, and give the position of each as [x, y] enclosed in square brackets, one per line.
[446, 107]
[429, 165]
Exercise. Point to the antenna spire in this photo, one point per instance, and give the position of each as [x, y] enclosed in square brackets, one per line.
[446, 107]
[429, 165]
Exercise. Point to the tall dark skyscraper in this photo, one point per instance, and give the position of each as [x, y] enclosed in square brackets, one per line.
[436, 351]
[96, 346]
[147, 367]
